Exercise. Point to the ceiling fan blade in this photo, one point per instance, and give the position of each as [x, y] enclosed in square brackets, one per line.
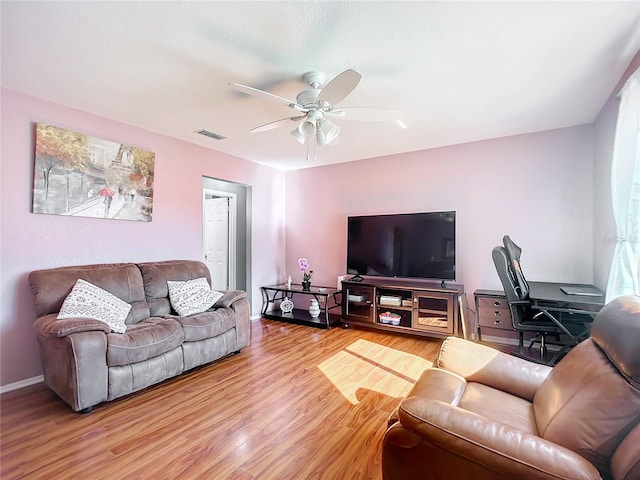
[276, 124]
[368, 114]
[337, 89]
[269, 96]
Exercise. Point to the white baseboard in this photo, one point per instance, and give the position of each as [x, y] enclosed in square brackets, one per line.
[21, 384]
[255, 318]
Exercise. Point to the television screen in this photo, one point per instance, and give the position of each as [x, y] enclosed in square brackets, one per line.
[412, 245]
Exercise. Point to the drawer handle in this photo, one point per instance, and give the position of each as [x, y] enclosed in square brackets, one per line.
[497, 313]
[497, 303]
[497, 322]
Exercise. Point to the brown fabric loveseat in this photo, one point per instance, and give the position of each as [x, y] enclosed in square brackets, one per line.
[482, 414]
[85, 364]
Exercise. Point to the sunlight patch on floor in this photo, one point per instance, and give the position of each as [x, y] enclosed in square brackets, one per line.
[368, 365]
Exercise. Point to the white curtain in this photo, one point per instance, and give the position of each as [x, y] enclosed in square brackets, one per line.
[625, 192]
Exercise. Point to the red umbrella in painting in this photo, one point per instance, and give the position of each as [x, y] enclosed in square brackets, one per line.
[106, 192]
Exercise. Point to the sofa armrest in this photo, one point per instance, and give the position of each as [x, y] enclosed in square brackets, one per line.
[75, 367]
[491, 445]
[241, 307]
[229, 298]
[50, 326]
[486, 365]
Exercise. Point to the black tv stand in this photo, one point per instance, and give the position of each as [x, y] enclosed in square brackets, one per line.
[356, 278]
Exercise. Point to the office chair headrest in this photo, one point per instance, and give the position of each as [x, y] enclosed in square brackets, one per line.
[513, 250]
[616, 330]
[513, 255]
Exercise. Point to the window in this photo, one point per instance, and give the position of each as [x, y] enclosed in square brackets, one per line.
[625, 192]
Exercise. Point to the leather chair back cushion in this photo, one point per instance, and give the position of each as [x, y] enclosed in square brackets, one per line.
[50, 287]
[616, 330]
[586, 406]
[156, 274]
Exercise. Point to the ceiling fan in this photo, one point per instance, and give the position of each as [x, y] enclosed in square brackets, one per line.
[316, 105]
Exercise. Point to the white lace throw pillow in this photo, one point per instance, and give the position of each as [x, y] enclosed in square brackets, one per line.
[192, 296]
[86, 300]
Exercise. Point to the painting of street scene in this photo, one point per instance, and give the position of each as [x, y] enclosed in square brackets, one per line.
[83, 176]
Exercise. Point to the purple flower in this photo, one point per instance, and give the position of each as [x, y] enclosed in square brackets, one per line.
[303, 263]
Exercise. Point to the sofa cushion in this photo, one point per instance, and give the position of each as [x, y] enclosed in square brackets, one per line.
[156, 275]
[51, 287]
[207, 324]
[192, 296]
[146, 339]
[88, 301]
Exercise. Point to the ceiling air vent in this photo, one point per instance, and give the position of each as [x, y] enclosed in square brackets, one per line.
[209, 133]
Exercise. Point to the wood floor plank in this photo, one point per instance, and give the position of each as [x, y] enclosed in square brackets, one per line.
[298, 403]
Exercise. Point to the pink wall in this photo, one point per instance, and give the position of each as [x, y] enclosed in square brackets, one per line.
[30, 241]
[538, 188]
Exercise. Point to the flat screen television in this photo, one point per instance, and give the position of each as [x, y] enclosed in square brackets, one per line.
[411, 245]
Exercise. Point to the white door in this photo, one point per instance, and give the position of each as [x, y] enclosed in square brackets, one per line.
[216, 241]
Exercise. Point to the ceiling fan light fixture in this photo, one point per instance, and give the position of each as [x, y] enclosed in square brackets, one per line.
[307, 128]
[327, 132]
[298, 136]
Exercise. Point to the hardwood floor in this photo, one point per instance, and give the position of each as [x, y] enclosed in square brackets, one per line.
[298, 403]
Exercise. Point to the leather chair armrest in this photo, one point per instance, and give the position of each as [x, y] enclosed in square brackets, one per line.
[435, 384]
[50, 326]
[625, 463]
[438, 384]
[491, 445]
[229, 298]
[486, 365]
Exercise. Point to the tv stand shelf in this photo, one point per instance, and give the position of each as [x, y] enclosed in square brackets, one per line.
[416, 307]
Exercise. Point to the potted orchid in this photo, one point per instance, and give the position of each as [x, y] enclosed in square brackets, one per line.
[303, 264]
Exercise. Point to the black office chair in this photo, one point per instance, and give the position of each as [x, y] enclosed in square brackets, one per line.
[513, 252]
[526, 318]
[523, 318]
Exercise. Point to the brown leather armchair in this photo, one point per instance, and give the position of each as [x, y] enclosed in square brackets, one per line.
[482, 414]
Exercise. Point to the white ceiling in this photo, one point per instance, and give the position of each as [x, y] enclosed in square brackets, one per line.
[461, 71]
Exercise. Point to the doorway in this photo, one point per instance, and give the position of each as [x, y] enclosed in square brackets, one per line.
[226, 233]
[220, 238]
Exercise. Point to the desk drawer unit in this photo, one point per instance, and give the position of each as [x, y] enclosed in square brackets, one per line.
[494, 317]
[494, 312]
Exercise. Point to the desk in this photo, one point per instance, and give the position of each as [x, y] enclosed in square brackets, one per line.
[328, 299]
[551, 300]
[540, 292]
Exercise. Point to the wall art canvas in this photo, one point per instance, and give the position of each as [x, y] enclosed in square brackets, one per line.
[84, 176]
